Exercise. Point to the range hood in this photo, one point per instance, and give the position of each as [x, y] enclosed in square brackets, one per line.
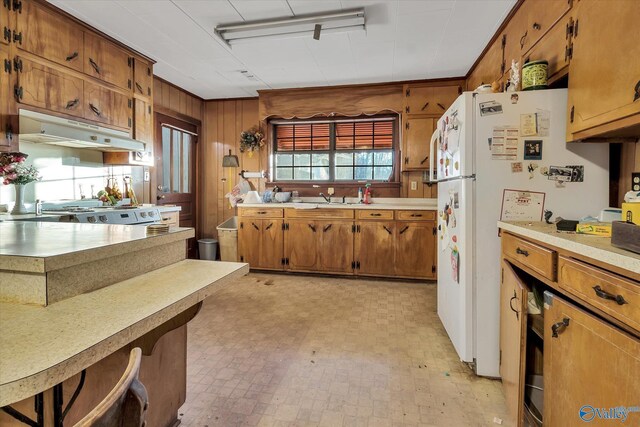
[46, 129]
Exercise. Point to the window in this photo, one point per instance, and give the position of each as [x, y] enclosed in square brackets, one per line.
[339, 150]
[176, 160]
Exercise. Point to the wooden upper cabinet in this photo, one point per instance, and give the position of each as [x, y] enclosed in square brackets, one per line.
[302, 244]
[415, 247]
[539, 19]
[142, 78]
[5, 89]
[586, 362]
[604, 83]
[336, 246]
[374, 247]
[417, 135]
[143, 121]
[5, 34]
[513, 330]
[45, 87]
[488, 69]
[107, 106]
[49, 35]
[432, 100]
[554, 48]
[106, 61]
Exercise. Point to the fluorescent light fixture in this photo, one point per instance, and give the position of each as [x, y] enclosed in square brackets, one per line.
[293, 26]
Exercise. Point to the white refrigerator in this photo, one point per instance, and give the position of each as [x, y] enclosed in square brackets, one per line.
[478, 152]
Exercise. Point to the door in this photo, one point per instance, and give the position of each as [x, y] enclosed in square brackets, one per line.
[48, 88]
[415, 249]
[336, 251]
[589, 367]
[375, 247]
[455, 265]
[302, 244]
[417, 134]
[107, 106]
[513, 334]
[106, 61]
[175, 155]
[610, 56]
[49, 35]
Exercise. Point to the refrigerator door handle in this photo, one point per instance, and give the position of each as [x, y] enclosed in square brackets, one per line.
[434, 138]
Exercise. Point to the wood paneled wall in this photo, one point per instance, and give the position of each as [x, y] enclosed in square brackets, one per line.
[168, 97]
[223, 121]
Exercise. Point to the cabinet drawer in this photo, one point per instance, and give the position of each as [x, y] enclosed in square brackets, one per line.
[537, 258]
[320, 213]
[416, 215]
[371, 214]
[261, 213]
[171, 218]
[615, 295]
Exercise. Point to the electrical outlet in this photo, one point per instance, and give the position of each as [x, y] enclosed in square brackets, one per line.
[331, 191]
[414, 185]
[635, 181]
[147, 177]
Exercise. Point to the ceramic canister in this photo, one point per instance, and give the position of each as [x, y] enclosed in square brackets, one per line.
[534, 75]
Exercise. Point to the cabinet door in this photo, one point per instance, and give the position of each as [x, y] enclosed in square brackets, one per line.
[142, 77]
[143, 121]
[336, 250]
[48, 88]
[107, 106]
[415, 249]
[539, 20]
[417, 134]
[604, 66]
[271, 244]
[513, 333]
[489, 68]
[5, 35]
[302, 244]
[375, 247]
[587, 362]
[106, 61]
[249, 241]
[430, 99]
[553, 47]
[49, 35]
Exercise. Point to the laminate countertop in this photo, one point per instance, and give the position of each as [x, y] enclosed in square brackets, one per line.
[595, 247]
[39, 247]
[43, 346]
[377, 204]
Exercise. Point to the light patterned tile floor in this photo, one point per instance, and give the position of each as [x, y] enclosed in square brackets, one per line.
[283, 350]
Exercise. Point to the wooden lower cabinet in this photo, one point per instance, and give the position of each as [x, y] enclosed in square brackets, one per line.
[513, 330]
[413, 246]
[374, 246]
[260, 243]
[336, 246]
[589, 365]
[301, 245]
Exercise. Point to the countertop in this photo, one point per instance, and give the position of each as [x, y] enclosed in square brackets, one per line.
[39, 247]
[43, 346]
[595, 247]
[379, 204]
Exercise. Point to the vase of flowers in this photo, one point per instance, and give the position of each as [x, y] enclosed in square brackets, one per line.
[251, 140]
[14, 171]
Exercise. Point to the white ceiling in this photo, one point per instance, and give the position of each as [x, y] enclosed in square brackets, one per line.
[405, 40]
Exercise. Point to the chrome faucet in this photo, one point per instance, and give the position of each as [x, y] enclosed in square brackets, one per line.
[327, 199]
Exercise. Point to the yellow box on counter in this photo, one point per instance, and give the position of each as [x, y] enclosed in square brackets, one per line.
[631, 212]
[597, 229]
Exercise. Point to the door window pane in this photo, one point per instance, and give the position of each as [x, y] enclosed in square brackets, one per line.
[166, 158]
[175, 156]
[186, 149]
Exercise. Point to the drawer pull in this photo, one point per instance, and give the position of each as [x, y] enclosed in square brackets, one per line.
[312, 227]
[261, 212]
[94, 65]
[166, 219]
[522, 252]
[327, 227]
[71, 57]
[511, 305]
[375, 214]
[559, 327]
[606, 295]
[386, 229]
[416, 215]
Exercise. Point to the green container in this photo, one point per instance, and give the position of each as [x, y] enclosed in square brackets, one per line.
[534, 75]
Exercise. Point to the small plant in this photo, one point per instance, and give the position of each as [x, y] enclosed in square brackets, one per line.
[14, 171]
[251, 140]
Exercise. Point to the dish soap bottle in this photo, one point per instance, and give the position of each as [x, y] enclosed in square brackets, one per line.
[367, 194]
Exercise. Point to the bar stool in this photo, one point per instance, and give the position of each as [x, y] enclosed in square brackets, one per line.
[126, 404]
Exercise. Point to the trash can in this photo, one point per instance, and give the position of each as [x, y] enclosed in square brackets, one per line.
[208, 249]
[228, 236]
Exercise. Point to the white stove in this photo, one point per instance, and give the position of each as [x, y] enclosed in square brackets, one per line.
[107, 215]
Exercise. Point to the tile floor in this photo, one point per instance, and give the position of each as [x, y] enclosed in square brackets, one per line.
[282, 350]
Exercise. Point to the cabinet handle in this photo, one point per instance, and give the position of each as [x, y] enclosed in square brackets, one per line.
[511, 305]
[424, 160]
[606, 295]
[71, 57]
[71, 104]
[424, 107]
[386, 229]
[261, 213]
[375, 214]
[637, 92]
[404, 229]
[94, 65]
[522, 252]
[139, 88]
[269, 226]
[441, 106]
[406, 160]
[255, 226]
[559, 327]
[313, 228]
[416, 215]
[95, 110]
[522, 39]
[327, 227]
